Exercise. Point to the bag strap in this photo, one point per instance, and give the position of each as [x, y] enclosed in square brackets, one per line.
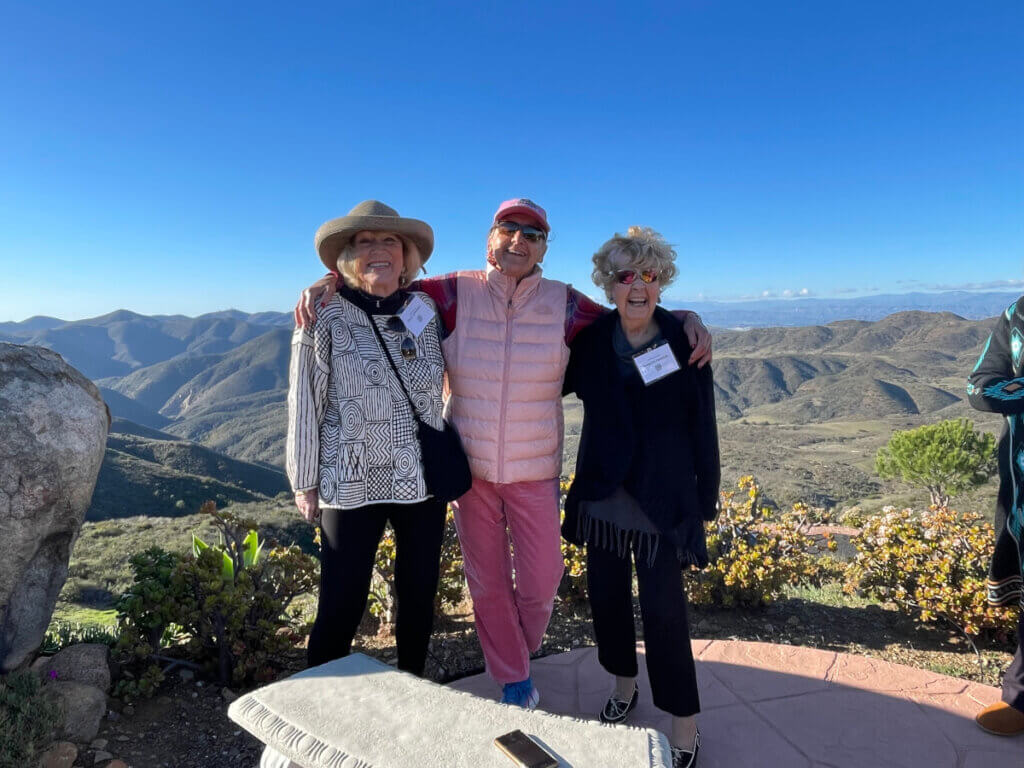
[387, 355]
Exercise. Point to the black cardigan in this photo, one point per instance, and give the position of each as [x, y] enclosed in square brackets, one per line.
[659, 442]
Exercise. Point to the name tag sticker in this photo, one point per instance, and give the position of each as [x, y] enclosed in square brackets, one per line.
[416, 315]
[656, 363]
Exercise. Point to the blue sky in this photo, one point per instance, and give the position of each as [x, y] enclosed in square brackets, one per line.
[177, 158]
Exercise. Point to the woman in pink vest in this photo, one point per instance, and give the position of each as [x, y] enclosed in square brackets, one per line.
[507, 330]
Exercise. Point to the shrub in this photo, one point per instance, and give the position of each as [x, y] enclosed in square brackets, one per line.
[152, 604]
[754, 554]
[28, 719]
[854, 517]
[228, 602]
[453, 577]
[573, 587]
[61, 634]
[139, 680]
[933, 565]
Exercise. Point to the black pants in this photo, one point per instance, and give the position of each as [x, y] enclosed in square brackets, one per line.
[670, 665]
[349, 545]
[1013, 678]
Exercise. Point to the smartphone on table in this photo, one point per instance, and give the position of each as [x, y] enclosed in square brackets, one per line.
[524, 751]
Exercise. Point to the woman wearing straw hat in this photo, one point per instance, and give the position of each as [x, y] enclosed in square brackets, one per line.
[358, 373]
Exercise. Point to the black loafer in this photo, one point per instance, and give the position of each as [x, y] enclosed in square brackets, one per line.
[616, 710]
[686, 758]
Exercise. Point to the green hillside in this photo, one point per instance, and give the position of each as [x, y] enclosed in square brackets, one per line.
[170, 478]
[192, 459]
[251, 428]
[121, 426]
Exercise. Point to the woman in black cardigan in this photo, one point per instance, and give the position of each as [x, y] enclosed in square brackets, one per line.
[647, 477]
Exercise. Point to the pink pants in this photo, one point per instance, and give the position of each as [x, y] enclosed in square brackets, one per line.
[511, 614]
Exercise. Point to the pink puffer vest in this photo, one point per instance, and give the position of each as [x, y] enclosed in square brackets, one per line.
[506, 360]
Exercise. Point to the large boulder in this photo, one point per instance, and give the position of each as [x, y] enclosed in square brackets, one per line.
[53, 424]
[82, 707]
[87, 663]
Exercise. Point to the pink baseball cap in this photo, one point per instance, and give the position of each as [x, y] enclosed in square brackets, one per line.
[523, 207]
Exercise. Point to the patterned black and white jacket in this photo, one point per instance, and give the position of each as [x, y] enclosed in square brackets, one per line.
[351, 431]
[996, 384]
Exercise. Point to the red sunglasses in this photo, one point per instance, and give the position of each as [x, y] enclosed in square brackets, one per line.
[629, 276]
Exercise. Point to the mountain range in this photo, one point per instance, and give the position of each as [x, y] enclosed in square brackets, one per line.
[906, 363]
[759, 313]
[200, 402]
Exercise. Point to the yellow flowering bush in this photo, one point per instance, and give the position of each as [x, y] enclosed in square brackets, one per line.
[573, 588]
[754, 552]
[933, 565]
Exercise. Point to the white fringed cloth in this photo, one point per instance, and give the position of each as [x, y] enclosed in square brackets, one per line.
[357, 712]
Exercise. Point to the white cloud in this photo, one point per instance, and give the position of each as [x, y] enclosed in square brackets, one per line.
[794, 293]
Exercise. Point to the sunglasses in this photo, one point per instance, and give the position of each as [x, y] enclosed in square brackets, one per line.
[629, 276]
[408, 347]
[532, 234]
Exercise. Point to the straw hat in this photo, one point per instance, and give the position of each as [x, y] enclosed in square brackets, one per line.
[372, 215]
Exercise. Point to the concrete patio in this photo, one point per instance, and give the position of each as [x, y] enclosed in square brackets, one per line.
[781, 706]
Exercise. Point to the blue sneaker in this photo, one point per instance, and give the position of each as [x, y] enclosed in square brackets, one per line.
[521, 694]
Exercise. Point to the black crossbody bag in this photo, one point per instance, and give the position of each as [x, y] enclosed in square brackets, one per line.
[445, 465]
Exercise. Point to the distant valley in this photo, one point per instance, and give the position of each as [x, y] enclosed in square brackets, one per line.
[200, 402]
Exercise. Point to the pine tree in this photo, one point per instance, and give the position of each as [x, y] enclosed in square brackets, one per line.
[946, 458]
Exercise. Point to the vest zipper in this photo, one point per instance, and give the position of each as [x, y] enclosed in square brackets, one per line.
[504, 393]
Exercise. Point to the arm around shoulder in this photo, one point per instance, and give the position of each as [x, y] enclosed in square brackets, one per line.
[698, 336]
[315, 297]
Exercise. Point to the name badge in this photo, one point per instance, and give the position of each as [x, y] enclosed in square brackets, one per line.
[416, 314]
[656, 363]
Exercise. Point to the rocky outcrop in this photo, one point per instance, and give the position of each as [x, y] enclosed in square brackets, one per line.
[53, 425]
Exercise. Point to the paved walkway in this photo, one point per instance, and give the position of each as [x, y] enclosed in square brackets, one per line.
[782, 706]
